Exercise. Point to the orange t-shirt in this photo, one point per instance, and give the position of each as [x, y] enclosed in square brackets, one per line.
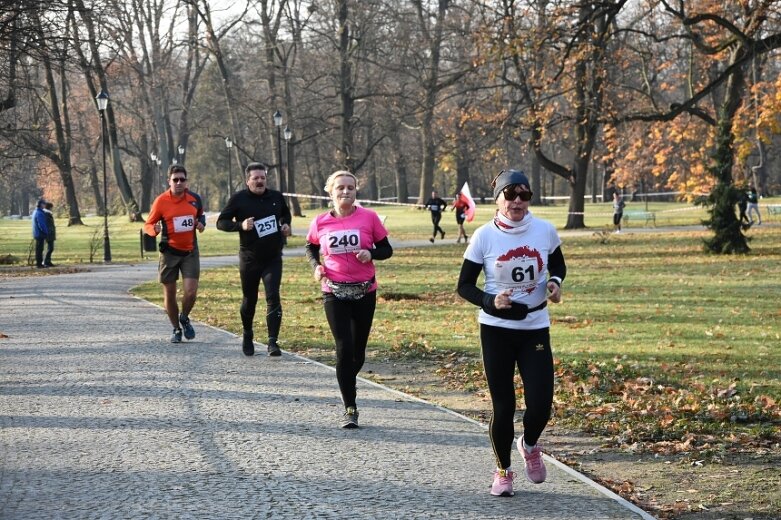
[179, 217]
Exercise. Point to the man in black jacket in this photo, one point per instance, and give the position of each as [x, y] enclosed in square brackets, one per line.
[436, 205]
[262, 218]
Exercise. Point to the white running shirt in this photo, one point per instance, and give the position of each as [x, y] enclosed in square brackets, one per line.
[518, 262]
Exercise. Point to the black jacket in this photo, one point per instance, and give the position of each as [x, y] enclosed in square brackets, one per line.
[245, 204]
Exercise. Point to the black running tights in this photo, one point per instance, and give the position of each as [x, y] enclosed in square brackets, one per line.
[350, 323]
[436, 216]
[529, 350]
[270, 273]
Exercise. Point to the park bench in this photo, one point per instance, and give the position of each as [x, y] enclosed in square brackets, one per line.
[640, 215]
[773, 209]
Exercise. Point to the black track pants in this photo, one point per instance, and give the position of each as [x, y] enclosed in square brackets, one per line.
[270, 273]
[529, 350]
[350, 323]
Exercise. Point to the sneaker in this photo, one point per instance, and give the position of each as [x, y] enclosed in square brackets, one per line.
[535, 467]
[273, 348]
[176, 336]
[247, 345]
[442, 235]
[503, 483]
[431, 240]
[189, 331]
[350, 418]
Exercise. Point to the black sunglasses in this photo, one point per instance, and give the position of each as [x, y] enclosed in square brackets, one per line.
[177, 180]
[510, 193]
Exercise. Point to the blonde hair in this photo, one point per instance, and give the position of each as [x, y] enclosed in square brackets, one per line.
[329, 182]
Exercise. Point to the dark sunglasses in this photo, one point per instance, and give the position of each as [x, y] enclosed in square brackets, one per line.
[510, 193]
[177, 180]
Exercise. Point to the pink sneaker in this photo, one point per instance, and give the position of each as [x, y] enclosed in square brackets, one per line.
[503, 483]
[535, 467]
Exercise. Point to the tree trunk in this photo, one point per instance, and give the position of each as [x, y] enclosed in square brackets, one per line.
[346, 88]
[58, 106]
[727, 235]
[402, 194]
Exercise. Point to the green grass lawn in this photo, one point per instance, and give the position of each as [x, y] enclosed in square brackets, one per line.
[404, 223]
[657, 342]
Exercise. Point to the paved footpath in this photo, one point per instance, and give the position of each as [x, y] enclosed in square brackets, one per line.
[101, 417]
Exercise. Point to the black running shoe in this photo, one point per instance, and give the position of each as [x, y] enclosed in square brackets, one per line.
[176, 336]
[189, 331]
[247, 345]
[350, 418]
[273, 348]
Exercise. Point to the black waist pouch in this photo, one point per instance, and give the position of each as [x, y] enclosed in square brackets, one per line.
[165, 248]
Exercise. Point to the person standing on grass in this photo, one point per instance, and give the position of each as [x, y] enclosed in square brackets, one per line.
[262, 219]
[52, 235]
[40, 232]
[350, 239]
[436, 206]
[618, 210]
[523, 266]
[753, 205]
[176, 214]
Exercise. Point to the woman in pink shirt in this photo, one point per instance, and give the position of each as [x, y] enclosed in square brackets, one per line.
[350, 238]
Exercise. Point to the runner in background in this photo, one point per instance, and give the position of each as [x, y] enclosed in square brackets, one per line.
[177, 214]
[261, 217]
[436, 206]
[460, 205]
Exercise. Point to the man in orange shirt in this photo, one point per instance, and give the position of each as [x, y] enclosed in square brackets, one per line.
[177, 214]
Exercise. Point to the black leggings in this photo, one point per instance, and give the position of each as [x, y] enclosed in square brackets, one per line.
[350, 323]
[530, 350]
[436, 216]
[252, 272]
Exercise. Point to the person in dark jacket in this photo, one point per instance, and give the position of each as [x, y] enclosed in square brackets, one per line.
[436, 205]
[262, 219]
[40, 232]
[52, 236]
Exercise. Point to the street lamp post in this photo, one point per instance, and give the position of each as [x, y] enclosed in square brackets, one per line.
[181, 154]
[102, 100]
[278, 123]
[229, 145]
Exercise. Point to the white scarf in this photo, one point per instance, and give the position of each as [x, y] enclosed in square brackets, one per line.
[512, 227]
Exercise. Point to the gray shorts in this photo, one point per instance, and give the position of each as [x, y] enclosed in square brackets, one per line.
[170, 265]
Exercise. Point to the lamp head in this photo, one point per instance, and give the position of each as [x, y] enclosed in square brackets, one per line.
[102, 100]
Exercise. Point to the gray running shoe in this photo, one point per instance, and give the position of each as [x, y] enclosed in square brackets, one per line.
[273, 348]
[189, 331]
[176, 336]
[350, 418]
